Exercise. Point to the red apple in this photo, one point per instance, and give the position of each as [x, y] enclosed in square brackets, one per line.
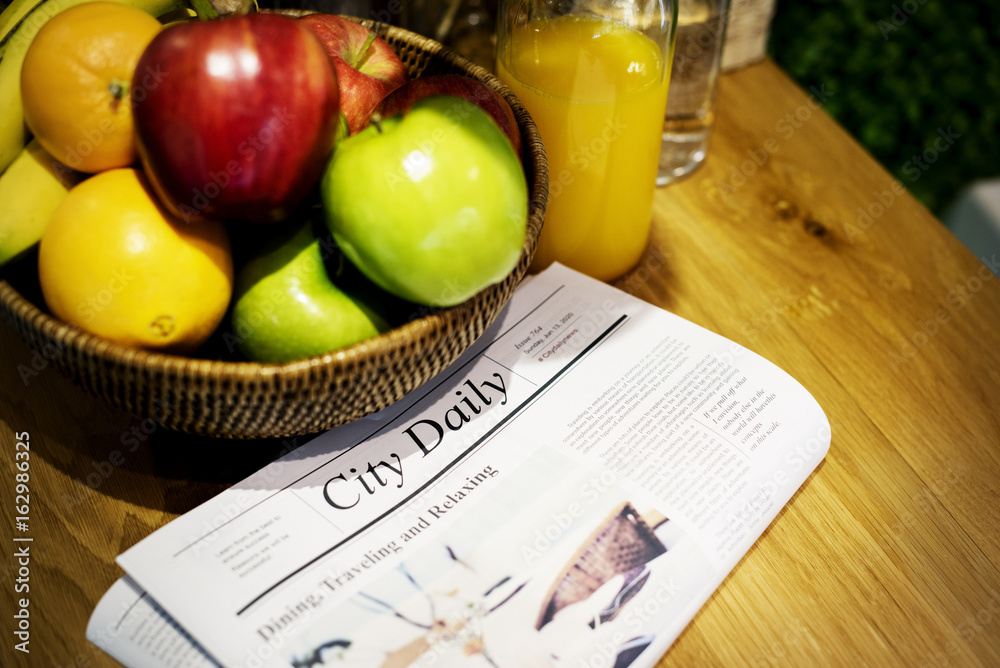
[240, 117]
[473, 90]
[367, 67]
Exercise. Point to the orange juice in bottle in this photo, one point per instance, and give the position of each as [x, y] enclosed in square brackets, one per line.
[597, 90]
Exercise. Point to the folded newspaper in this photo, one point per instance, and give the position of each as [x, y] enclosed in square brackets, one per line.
[569, 492]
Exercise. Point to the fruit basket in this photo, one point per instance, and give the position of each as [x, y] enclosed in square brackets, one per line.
[234, 399]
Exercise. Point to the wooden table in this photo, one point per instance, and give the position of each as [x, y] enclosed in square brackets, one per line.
[792, 242]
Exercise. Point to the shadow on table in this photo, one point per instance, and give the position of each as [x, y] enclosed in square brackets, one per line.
[99, 448]
[652, 278]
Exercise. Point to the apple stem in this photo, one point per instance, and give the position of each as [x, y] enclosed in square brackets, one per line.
[376, 120]
[362, 54]
[204, 10]
[343, 129]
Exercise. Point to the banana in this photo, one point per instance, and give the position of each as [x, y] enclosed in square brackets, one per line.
[13, 133]
[31, 189]
[11, 16]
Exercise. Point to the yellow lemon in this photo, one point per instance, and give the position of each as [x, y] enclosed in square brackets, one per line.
[75, 83]
[116, 264]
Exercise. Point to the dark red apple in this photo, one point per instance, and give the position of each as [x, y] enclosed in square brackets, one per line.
[240, 117]
[367, 67]
[473, 90]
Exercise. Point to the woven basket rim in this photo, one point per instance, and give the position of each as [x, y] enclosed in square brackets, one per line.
[443, 322]
[70, 335]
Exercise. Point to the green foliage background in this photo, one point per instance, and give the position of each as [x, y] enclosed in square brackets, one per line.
[900, 72]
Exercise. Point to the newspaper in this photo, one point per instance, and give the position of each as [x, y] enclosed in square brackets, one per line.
[569, 492]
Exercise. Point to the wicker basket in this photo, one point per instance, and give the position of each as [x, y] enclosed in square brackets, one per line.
[622, 542]
[746, 33]
[251, 400]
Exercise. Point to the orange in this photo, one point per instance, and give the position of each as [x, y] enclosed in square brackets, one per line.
[75, 83]
[113, 262]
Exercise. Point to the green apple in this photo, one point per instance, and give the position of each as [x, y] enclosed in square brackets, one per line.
[287, 306]
[431, 204]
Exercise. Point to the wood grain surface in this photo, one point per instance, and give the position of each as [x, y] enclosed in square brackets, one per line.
[791, 241]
